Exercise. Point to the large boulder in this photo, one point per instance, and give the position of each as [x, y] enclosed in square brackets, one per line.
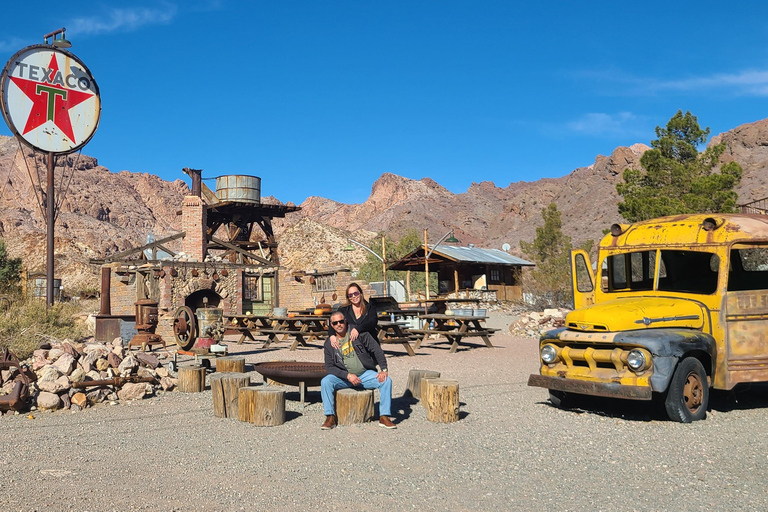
[134, 391]
[48, 401]
[65, 363]
[56, 386]
[128, 365]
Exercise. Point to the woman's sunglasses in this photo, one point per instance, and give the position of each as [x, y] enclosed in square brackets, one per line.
[353, 294]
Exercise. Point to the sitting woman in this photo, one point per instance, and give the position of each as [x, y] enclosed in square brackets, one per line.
[359, 314]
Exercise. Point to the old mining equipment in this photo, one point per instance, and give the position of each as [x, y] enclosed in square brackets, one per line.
[146, 323]
[199, 333]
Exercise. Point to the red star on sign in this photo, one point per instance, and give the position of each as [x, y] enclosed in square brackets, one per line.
[50, 102]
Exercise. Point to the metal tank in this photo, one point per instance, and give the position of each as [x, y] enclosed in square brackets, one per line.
[209, 322]
[240, 188]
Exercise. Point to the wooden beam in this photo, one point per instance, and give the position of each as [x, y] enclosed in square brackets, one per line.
[242, 251]
[208, 194]
[157, 243]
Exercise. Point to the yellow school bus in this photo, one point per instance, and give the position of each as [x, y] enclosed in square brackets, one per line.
[675, 306]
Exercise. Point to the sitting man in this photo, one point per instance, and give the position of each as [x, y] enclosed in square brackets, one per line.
[353, 364]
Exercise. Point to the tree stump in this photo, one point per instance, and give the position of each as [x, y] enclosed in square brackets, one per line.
[354, 406]
[191, 379]
[423, 387]
[268, 406]
[414, 381]
[246, 402]
[442, 400]
[225, 390]
[230, 364]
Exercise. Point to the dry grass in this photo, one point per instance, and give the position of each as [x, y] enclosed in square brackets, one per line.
[27, 323]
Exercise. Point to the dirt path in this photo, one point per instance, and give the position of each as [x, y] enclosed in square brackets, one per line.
[510, 450]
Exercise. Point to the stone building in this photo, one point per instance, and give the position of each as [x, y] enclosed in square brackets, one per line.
[220, 262]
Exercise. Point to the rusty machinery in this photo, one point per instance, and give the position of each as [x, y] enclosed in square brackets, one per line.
[146, 323]
[199, 332]
[17, 398]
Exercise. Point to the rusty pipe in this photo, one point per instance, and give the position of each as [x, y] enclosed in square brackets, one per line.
[105, 305]
[117, 381]
[197, 177]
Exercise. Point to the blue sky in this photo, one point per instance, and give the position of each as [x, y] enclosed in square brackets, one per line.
[321, 98]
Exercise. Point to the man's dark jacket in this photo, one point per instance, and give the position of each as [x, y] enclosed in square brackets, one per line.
[367, 349]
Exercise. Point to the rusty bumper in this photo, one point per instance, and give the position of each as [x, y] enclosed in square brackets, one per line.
[583, 387]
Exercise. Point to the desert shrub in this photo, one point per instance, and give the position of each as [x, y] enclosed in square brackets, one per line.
[26, 323]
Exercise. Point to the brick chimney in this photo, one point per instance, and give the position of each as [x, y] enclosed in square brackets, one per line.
[194, 222]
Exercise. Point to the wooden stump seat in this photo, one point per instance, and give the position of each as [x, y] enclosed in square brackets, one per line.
[191, 379]
[354, 406]
[230, 364]
[225, 390]
[441, 399]
[263, 406]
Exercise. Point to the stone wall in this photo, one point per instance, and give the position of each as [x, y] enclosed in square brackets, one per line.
[127, 285]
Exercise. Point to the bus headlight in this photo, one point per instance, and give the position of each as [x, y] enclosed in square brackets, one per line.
[636, 360]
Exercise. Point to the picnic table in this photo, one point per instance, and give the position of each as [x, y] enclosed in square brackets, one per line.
[303, 328]
[394, 332]
[399, 314]
[246, 324]
[454, 328]
[441, 303]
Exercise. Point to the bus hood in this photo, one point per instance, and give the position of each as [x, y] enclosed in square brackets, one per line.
[637, 313]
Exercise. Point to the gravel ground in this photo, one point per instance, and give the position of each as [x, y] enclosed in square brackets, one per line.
[509, 451]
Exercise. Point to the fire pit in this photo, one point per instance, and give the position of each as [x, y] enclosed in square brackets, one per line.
[292, 373]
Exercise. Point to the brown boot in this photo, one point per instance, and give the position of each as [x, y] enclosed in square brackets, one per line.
[330, 422]
[385, 422]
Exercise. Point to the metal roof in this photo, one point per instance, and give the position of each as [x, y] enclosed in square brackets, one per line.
[477, 255]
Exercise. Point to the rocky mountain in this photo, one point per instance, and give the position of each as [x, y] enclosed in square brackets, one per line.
[103, 212]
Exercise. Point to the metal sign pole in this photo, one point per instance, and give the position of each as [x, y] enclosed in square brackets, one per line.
[50, 232]
[56, 113]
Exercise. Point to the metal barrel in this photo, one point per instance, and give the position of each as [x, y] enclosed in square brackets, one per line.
[239, 188]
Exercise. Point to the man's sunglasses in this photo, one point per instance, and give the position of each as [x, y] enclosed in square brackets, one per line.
[337, 322]
[353, 294]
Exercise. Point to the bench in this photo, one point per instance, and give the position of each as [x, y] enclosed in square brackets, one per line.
[454, 336]
[404, 341]
[300, 336]
[242, 330]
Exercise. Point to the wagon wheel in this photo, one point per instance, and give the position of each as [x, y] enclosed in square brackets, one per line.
[184, 328]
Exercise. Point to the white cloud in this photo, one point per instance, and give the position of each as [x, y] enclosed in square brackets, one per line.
[124, 20]
[597, 123]
[749, 82]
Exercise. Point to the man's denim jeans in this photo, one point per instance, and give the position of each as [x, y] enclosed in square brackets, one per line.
[331, 383]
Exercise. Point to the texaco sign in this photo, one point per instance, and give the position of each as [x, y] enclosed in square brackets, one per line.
[50, 99]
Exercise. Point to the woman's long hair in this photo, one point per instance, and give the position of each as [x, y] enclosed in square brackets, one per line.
[363, 302]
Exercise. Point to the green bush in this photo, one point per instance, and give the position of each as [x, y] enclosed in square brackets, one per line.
[25, 324]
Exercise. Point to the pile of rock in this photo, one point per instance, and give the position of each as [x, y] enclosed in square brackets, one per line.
[532, 324]
[59, 365]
